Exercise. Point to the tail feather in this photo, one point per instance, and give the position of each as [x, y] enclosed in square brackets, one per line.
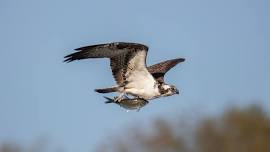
[107, 90]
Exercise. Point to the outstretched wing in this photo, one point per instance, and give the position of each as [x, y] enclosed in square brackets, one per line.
[159, 70]
[126, 59]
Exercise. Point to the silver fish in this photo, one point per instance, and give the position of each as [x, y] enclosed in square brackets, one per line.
[129, 104]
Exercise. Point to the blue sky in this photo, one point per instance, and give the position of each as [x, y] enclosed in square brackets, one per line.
[226, 45]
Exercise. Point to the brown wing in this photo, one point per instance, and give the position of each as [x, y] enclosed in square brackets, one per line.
[159, 70]
[120, 54]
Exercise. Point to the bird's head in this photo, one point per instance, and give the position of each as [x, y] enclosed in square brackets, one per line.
[168, 90]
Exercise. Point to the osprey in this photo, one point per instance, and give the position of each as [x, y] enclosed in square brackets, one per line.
[128, 65]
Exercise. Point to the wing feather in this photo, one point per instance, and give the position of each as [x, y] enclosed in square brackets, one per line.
[98, 51]
[160, 69]
[120, 54]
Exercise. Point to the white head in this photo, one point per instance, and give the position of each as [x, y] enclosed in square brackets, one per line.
[168, 90]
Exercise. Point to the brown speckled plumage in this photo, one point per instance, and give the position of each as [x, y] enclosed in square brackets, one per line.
[126, 59]
[119, 53]
[159, 70]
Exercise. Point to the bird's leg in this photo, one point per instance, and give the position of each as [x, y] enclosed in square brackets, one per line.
[120, 97]
[125, 95]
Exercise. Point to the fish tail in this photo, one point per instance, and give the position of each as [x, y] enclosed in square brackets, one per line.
[109, 100]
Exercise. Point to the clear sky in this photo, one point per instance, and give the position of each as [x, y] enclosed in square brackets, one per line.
[226, 45]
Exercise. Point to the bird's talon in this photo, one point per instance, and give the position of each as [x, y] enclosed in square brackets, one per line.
[118, 99]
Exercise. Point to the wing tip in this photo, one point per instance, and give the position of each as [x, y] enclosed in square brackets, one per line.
[176, 60]
[74, 56]
[69, 58]
[180, 60]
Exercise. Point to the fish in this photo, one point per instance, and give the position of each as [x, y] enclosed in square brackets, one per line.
[127, 103]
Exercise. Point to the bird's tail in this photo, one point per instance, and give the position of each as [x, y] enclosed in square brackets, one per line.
[107, 90]
[109, 100]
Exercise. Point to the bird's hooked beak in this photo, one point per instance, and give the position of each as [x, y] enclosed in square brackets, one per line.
[176, 91]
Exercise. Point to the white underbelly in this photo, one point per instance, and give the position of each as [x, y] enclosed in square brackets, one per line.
[142, 84]
[144, 92]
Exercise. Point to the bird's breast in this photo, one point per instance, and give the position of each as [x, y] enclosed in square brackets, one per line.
[147, 92]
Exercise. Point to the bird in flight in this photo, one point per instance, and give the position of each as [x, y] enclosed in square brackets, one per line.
[128, 65]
